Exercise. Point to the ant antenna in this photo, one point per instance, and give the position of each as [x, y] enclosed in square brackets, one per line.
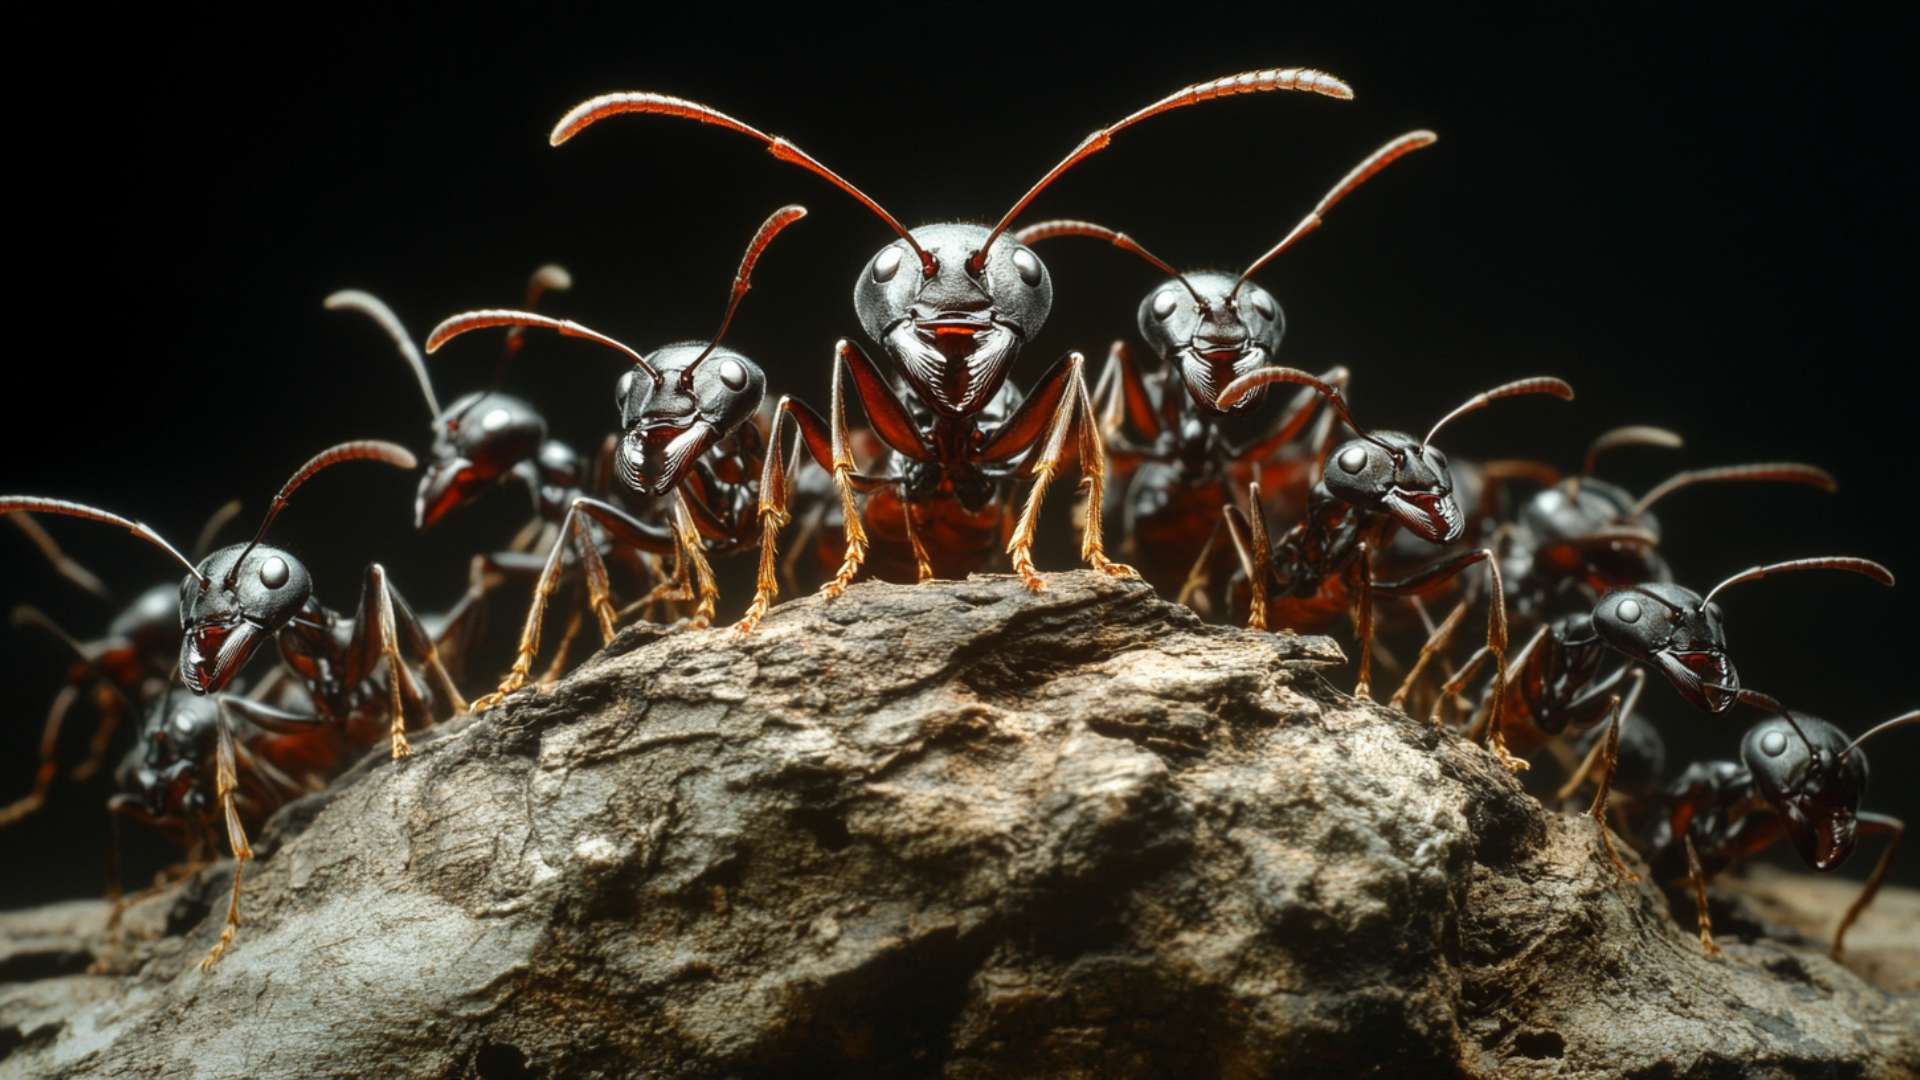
[455, 325]
[1767, 703]
[1786, 472]
[1898, 721]
[1864, 567]
[1246, 384]
[1247, 82]
[1376, 161]
[376, 309]
[1539, 384]
[1047, 230]
[358, 450]
[549, 278]
[742, 282]
[33, 504]
[595, 109]
[1631, 435]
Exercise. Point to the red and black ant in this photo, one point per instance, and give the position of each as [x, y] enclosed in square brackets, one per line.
[952, 307]
[1179, 466]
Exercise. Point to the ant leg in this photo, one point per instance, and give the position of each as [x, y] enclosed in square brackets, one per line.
[226, 783]
[707, 594]
[822, 441]
[1436, 644]
[1576, 712]
[1249, 534]
[1598, 811]
[842, 466]
[1868, 824]
[1093, 471]
[557, 666]
[1198, 578]
[1699, 881]
[1496, 646]
[1363, 620]
[1122, 393]
[790, 562]
[1039, 427]
[922, 564]
[49, 760]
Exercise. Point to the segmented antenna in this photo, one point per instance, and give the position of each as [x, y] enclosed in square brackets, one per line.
[376, 309]
[549, 278]
[1247, 82]
[1864, 567]
[58, 559]
[1361, 173]
[1768, 703]
[742, 278]
[595, 109]
[486, 318]
[1238, 389]
[1539, 384]
[1784, 472]
[357, 450]
[1898, 721]
[1047, 230]
[1631, 435]
[34, 504]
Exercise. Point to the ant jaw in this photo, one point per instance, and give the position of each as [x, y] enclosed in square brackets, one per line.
[1823, 834]
[1433, 516]
[652, 458]
[445, 485]
[1706, 679]
[211, 655]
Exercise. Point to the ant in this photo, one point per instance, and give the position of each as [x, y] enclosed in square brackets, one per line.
[1379, 483]
[1207, 328]
[243, 594]
[120, 672]
[1798, 777]
[952, 308]
[686, 413]
[1556, 680]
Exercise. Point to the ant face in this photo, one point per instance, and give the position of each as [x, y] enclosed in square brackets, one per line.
[1216, 340]
[954, 333]
[1667, 627]
[668, 427]
[1393, 473]
[163, 770]
[1815, 792]
[477, 440]
[1565, 526]
[225, 623]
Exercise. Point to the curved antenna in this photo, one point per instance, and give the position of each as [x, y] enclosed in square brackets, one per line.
[1253, 380]
[1769, 703]
[549, 278]
[1784, 472]
[376, 309]
[1538, 384]
[1247, 82]
[1361, 173]
[485, 318]
[34, 504]
[1898, 721]
[219, 519]
[357, 450]
[1047, 230]
[62, 564]
[1864, 567]
[1631, 435]
[742, 278]
[595, 109]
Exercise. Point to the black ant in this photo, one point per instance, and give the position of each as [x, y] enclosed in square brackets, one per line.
[1207, 328]
[952, 308]
[1798, 777]
[1377, 484]
[119, 672]
[240, 596]
[686, 414]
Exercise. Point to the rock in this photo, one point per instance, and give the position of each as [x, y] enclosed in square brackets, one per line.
[951, 829]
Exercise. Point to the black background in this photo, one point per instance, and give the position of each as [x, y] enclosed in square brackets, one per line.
[1703, 226]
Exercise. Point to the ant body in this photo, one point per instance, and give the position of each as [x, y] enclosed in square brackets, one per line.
[952, 308]
[686, 414]
[1798, 777]
[241, 595]
[1207, 328]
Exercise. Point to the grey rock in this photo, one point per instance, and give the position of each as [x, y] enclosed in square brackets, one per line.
[952, 829]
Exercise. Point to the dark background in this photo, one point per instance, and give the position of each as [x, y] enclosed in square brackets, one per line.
[1704, 227]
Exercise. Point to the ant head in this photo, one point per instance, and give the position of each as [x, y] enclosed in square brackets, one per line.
[1811, 782]
[956, 331]
[1577, 533]
[1680, 635]
[667, 428]
[1394, 473]
[478, 440]
[1212, 333]
[165, 771]
[245, 594]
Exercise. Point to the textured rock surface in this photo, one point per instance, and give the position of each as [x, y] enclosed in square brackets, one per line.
[949, 829]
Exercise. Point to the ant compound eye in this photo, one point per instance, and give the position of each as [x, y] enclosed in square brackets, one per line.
[732, 373]
[1029, 266]
[624, 387]
[274, 572]
[1164, 303]
[886, 264]
[1627, 611]
[1773, 743]
[1353, 459]
[1263, 303]
[495, 420]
